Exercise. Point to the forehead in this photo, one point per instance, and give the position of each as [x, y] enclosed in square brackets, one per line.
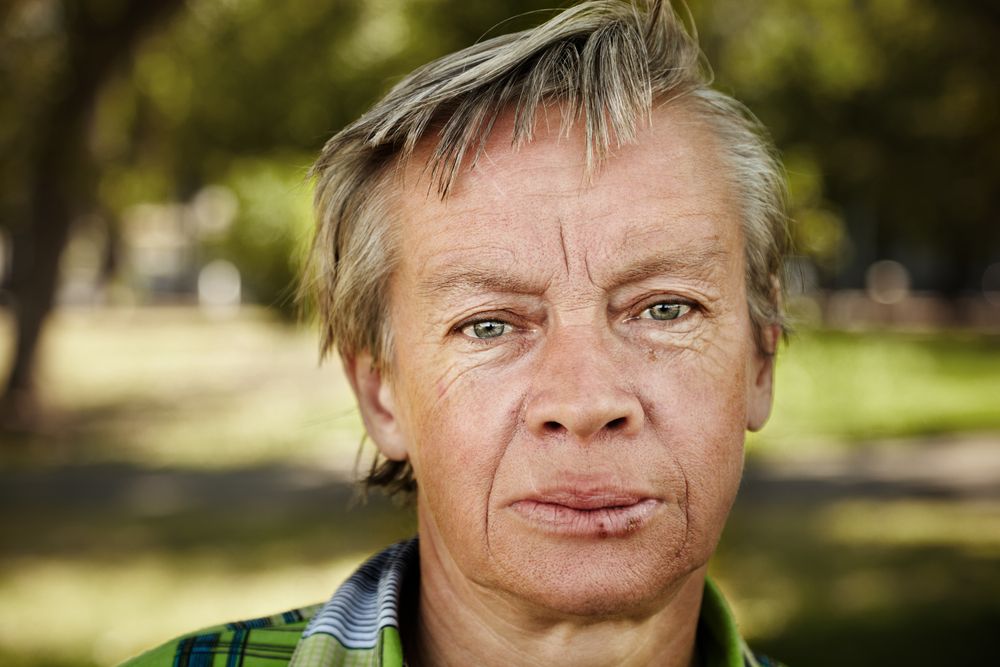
[665, 194]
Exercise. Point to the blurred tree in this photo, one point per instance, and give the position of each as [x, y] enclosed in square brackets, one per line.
[887, 113]
[82, 43]
[890, 113]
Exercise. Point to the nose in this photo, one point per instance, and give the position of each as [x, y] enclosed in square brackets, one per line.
[581, 390]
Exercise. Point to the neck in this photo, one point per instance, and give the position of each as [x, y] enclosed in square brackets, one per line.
[454, 621]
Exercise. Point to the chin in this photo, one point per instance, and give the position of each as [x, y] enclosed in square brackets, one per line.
[607, 603]
[598, 579]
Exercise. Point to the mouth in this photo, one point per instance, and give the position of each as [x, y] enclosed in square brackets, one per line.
[587, 515]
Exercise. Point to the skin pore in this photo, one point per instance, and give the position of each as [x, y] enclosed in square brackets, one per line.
[573, 375]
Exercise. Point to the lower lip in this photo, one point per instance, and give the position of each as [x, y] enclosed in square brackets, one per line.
[617, 521]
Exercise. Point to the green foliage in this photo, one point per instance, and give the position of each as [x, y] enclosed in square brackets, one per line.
[886, 112]
[271, 230]
[895, 103]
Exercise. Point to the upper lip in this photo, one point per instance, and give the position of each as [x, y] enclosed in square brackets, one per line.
[586, 498]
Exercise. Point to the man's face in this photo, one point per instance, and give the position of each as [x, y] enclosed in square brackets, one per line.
[574, 365]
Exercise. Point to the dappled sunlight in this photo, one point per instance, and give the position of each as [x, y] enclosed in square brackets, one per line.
[106, 612]
[171, 387]
[970, 526]
[831, 582]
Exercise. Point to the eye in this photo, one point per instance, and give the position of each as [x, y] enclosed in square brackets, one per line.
[665, 311]
[485, 329]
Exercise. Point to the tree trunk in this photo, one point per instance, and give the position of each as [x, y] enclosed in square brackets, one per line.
[59, 183]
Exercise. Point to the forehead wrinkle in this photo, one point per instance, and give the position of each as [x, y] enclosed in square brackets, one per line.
[701, 262]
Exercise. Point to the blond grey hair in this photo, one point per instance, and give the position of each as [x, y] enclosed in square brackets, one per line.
[604, 64]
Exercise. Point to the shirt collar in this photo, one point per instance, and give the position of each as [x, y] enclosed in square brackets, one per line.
[360, 623]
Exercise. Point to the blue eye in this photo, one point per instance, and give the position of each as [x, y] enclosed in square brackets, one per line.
[665, 311]
[486, 329]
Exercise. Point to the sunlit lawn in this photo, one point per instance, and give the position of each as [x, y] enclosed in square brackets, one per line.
[858, 386]
[172, 387]
[173, 488]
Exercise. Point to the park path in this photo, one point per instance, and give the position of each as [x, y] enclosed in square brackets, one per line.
[965, 466]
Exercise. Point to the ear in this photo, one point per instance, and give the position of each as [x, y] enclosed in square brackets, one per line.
[760, 393]
[377, 404]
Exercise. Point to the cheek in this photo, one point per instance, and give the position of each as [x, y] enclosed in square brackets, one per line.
[697, 406]
[459, 424]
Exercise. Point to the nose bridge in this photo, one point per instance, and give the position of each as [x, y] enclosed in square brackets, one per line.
[579, 388]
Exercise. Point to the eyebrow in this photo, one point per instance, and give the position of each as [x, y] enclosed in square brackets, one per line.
[698, 262]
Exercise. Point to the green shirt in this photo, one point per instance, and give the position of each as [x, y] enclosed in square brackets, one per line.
[359, 626]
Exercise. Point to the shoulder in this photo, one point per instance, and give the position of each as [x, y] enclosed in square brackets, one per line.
[268, 641]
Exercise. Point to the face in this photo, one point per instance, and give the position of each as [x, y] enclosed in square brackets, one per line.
[574, 366]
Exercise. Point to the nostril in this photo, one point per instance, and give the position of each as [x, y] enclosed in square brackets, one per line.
[552, 427]
[616, 424]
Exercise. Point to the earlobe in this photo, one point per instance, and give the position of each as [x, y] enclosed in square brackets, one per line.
[377, 403]
[761, 390]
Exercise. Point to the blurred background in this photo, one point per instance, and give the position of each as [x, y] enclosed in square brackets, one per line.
[171, 454]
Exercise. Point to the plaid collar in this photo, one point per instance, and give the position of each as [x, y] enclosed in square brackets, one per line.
[359, 625]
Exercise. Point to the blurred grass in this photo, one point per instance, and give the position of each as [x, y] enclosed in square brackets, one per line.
[865, 582]
[113, 578]
[173, 487]
[170, 386]
[99, 613]
[848, 387]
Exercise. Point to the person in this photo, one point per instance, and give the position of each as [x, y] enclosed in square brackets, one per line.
[550, 266]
